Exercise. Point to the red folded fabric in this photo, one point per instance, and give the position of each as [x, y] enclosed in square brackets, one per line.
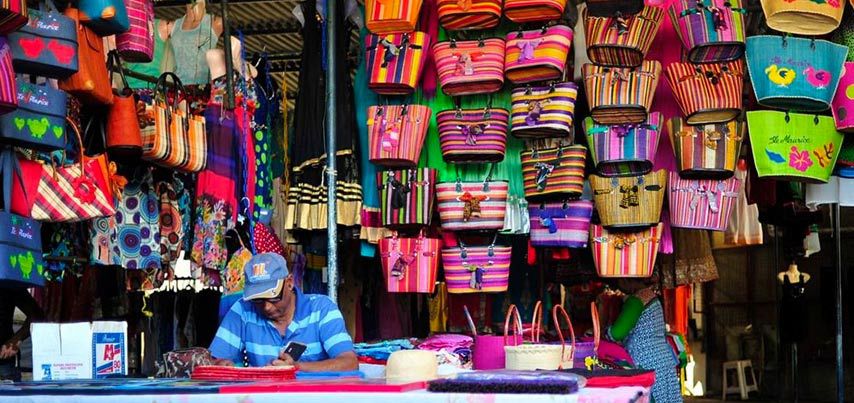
[215, 373]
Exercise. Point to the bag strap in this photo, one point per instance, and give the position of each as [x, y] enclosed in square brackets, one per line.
[597, 336]
[513, 312]
[82, 150]
[114, 65]
[162, 86]
[560, 309]
[537, 322]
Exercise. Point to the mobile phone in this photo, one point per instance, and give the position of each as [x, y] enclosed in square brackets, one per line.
[295, 349]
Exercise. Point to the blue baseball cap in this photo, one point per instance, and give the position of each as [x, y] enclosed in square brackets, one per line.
[265, 276]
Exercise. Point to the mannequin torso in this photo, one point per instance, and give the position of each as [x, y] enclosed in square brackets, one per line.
[793, 274]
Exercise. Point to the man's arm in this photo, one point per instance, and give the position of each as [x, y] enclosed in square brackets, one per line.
[346, 361]
[336, 342]
[227, 346]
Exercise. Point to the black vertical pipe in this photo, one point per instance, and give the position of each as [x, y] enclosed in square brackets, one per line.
[229, 66]
[840, 369]
[331, 146]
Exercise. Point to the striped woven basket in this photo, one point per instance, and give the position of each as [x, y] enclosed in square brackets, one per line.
[472, 206]
[407, 197]
[621, 95]
[707, 93]
[473, 269]
[396, 134]
[701, 204]
[395, 61]
[520, 11]
[620, 41]
[706, 151]
[537, 55]
[554, 173]
[459, 15]
[392, 16]
[470, 67]
[545, 111]
[624, 150]
[625, 254]
[711, 30]
[473, 135]
[630, 201]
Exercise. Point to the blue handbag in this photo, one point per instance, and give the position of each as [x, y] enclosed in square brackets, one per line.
[39, 121]
[47, 45]
[105, 17]
[791, 73]
[21, 258]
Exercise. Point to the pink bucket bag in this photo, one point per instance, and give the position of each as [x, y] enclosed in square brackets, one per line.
[137, 44]
[701, 204]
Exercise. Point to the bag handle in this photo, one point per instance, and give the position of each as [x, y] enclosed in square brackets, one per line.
[537, 322]
[560, 309]
[114, 65]
[162, 86]
[82, 150]
[513, 312]
[597, 336]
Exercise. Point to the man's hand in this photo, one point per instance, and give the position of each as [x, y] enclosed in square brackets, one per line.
[9, 350]
[222, 363]
[284, 360]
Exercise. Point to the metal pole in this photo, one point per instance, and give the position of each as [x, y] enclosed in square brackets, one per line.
[331, 130]
[840, 369]
[229, 66]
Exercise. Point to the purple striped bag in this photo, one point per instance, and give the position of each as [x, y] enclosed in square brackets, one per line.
[543, 112]
[8, 86]
[702, 204]
[711, 30]
[624, 150]
[137, 44]
[470, 269]
[406, 197]
[473, 135]
[561, 225]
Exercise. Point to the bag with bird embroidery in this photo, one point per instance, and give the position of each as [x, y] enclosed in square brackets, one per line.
[396, 134]
[621, 41]
[13, 15]
[842, 105]
[91, 83]
[629, 202]
[793, 146]
[410, 264]
[461, 15]
[395, 62]
[470, 67]
[473, 135]
[47, 45]
[472, 206]
[624, 150]
[522, 11]
[391, 16]
[560, 225]
[706, 151]
[798, 74]
[710, 30]
[537, 55]
[707, 93]
[553, 173]
[611, 8]
[544, 111]
[406, 197]
[619, 96]
[474, 269]
[803, 17]
[39, 121]
[701, 203]
[625, 254]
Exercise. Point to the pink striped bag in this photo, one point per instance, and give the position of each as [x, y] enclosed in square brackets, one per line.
[470, 67]
[561, 225]
[410, 264]
[137, 44]
[537, 55]
[470, 269]
[625, 254]
[406, 197]
[396, 134]
[473, 135]
[472, 206]
[701, 204]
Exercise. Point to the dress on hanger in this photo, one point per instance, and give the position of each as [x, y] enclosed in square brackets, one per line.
[793, 311]
[190, 47]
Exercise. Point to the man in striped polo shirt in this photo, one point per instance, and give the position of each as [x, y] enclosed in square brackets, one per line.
[274, 313]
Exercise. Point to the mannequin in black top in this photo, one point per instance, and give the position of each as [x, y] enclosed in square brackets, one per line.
[793, 310]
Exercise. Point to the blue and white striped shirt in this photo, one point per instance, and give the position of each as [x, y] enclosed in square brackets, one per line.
[317, 323]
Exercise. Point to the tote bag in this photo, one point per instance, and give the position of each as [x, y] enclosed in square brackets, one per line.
[553, 173]
[395, 62]
[396, 134]
[473, 135]
[544, 111]
[803, 18]
[629, 201]
[407, 197]
[521, 355]
[123, 136]
[410, 264]
[706, 151]
[391, 16]
[625, 254]
[177, 139]
[137, 44]
[537, 55]
[620, 95]
[560, 225]
[707, 93]
[624, 150]
[475, 269]
[459, 15]
[39, 121]
[701, 204]
[470, 67]
[620, 41]
[46, 45]
[472, 206]
[91, 82]
[522, 11]
[710, 30]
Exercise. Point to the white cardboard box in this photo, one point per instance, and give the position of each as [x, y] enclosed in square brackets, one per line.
[79, 350]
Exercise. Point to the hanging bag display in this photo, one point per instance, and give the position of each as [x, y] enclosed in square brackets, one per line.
[395, 62]
[621, 41]
[620, 95]
[625, 254]
[521, 355]
[624, 150]
[544, 111]
[20, 239]
[13, 15]
[470, 67]
[522, 11]
[707, 93]
[473, 135]
[790, 73]
[710, 30]
[701, 204]
[560, 225]
[137, 44]
[410, 264]
[842, 105]
[397, 133]
[553, 173]
[407, 196]
[177, 139]
[474, 269]
[47, 45]
[803, 17]
[91, 82]
[793, 146]
[104, 17]
[629, 201]
[537, 55]
[39, 121]
[69, 193]
[391, 16]
[473, 206]
[123, 135]
[460, 15]
[707, 151]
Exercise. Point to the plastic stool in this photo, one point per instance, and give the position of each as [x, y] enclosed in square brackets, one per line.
[742, 388]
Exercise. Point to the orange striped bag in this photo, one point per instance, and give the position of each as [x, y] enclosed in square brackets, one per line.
[537, 55]
[625, 254]
[622, 41]
[396, 134]
[707, 93]
[621, 96]
[392, 16]
[470, 67]
[520, 11]
[633, 201]
[178, 139]
[554, 173]
[395, 61]
[459, 15]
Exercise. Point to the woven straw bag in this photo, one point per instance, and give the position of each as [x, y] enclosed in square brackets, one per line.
[625, 254]
[706, 151]
[621, 95]
[629, 201]
[701, 204]
[707, 93]
[620, 41]
[530, 356]
[711, 30]
[803, 17]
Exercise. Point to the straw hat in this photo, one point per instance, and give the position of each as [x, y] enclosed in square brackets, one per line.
[411, 366]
